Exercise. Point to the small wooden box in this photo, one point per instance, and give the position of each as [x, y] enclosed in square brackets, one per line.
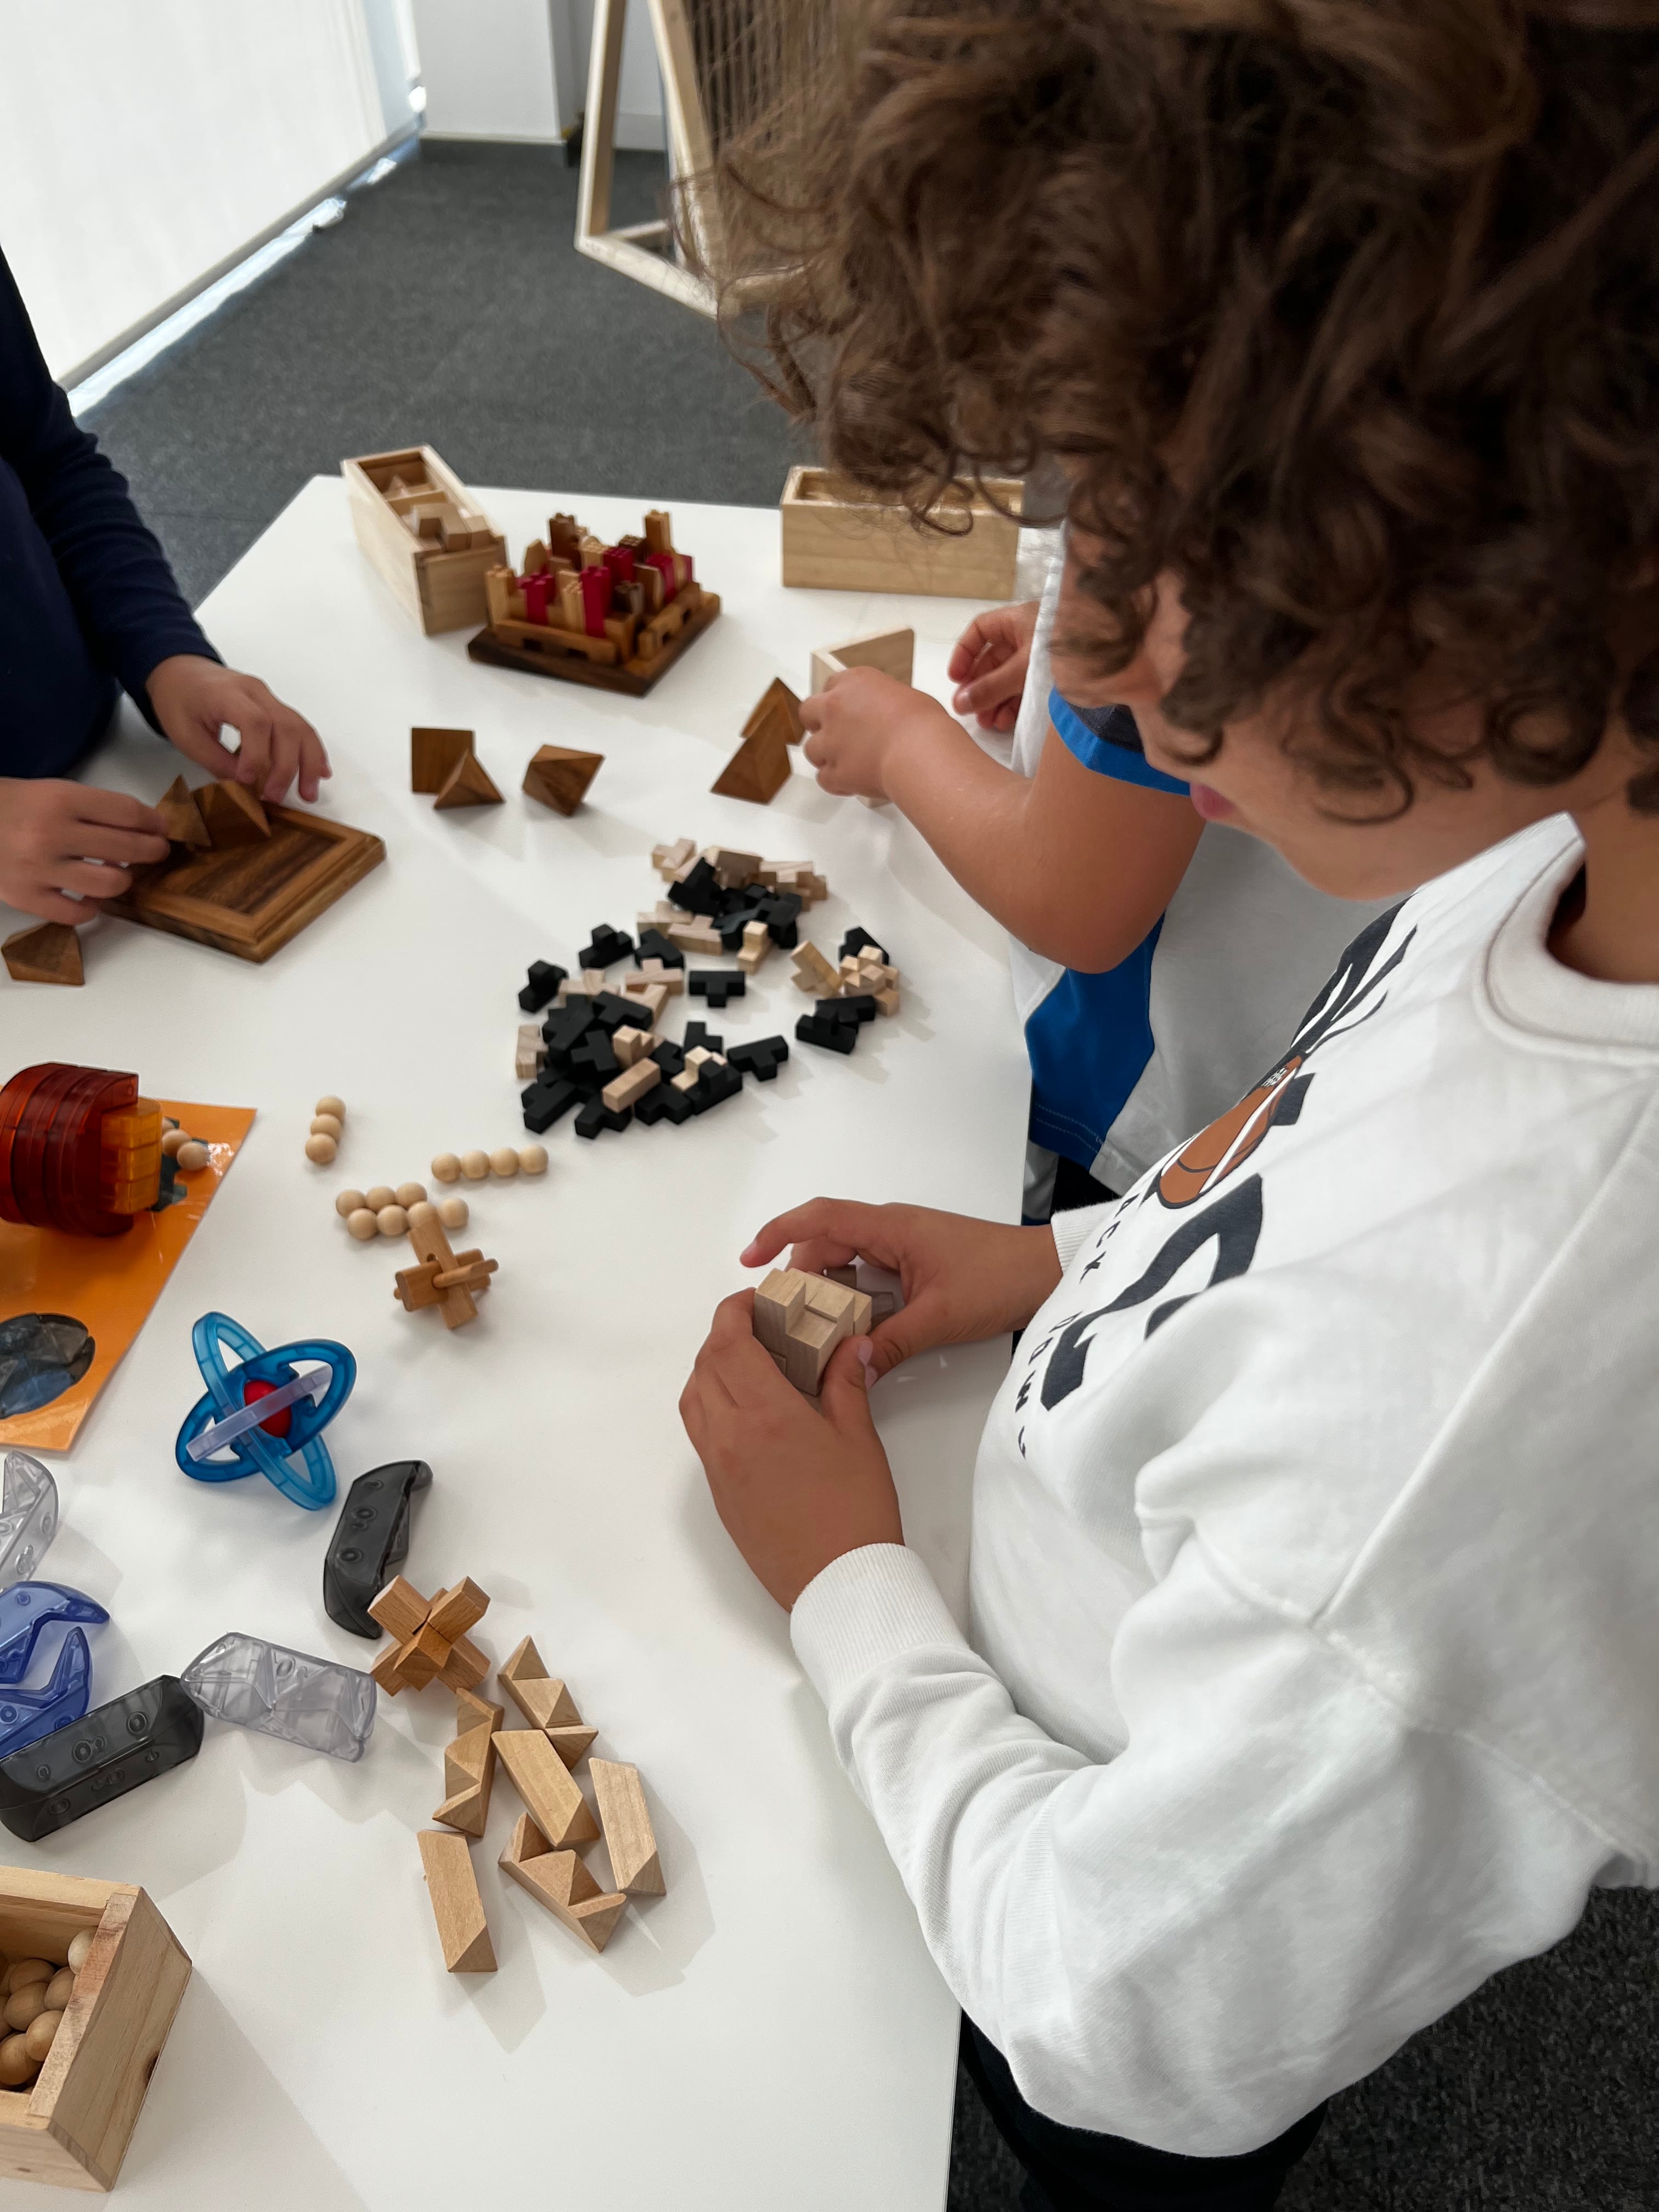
[443, 589]
[72, 2128]
[837, 538]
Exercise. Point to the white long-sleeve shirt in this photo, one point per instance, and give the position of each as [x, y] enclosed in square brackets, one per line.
[1313, 1665]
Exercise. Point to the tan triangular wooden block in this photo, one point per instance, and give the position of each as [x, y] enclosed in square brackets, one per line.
[541, 1697]
[456, 1905]
[48, 954]
[466, 784]
[182, 816]
[558, 777]
[570, 1743]
[232, 815]
[559, 1880]
[629, 1837]
[551, 1796]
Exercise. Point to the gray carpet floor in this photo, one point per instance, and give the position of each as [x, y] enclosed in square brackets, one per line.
[450, 306]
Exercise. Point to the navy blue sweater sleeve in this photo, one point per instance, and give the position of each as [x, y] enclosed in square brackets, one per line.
[87, 598]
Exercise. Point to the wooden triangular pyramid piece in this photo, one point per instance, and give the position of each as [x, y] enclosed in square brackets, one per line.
[48, 954]
[470, 1765]
[181, 816]
[558, 777]
[777, 698]
[759, 768]
[541, 1697]
[559, 1880]
[232, 815]
[466, 784]
[433, 754]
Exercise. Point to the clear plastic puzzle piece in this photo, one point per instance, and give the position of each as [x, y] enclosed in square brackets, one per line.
[28, 1608]
[315, 1703]
[28, 1516]
[27, 1715]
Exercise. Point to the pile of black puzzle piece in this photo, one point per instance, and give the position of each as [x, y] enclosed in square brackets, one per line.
[731, 911]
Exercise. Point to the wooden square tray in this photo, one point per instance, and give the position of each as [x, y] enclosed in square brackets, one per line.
[249, 899]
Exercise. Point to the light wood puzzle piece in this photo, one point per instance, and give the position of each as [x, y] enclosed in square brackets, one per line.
[456, 1905]
[892, 651]
[801, 1318]
[470, 1765]
[559, 1880]
[541, 1777]
[626, 1823]
[544, 1702]
[559, 777]
[813, 974]
[49, 953]
[444, 1278]
[430, 1642]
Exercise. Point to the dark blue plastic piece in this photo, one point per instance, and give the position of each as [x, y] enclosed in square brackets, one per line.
[26, 1715]
[25, 1610]
[297, 1463]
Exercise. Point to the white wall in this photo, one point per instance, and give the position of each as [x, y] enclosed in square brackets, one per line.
[144, 148]
[518, 69]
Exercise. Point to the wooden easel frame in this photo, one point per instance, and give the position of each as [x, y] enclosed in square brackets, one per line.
[689, 150]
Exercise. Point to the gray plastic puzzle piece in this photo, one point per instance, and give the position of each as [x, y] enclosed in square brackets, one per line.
[29, 1517]
[315, 1703]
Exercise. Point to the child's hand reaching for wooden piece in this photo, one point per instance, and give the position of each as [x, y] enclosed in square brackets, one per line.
[964, 1280]
[862, 720]
[988, 664]
[195, 698]
[796, 1485]
[57, 837]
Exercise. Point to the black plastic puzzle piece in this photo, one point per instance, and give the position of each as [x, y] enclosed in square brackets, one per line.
[567, 1026]
[671, 1058]
[779, 913]
[612, 1011]
[543, 1102]
[837, 1036]
[697, 892]
[596, 1116]
[761, 1057]
[716, 1082]
[543, 983]
[114, 1749]
[856, 939]
[696, 1034]
[593, 1060]
[654, 946]
[664, 1103]
[717, 985]
[605, 948]
[857, 1006]
[370, 1538]
[731, 926]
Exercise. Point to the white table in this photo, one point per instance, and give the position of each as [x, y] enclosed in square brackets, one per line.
[771, 2033]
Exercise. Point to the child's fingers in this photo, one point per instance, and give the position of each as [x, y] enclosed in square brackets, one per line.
[836, 1224]
[253, 728]
[844, 1394]
[123, 848]
[982, 636]
[90, 881]
[113, 810]
[52, 906]
[314, 764]
[1006, 681]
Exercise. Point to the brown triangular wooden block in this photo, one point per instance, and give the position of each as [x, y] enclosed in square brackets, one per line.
[776, 698]
[559, 1880]
[232, 815]
[181, 816]
[48, 954]
[758, 769]
[558, 777]
[466, 784]
[433, 754]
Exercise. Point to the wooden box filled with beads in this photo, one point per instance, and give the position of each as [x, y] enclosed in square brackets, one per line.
[92, 1978]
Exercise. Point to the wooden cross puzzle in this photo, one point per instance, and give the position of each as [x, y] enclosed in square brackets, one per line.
[444, 1278]
[432, 1644]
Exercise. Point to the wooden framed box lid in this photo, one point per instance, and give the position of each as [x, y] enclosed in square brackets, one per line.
[251, 900]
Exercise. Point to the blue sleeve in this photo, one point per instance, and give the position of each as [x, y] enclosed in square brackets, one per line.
[79, 514]
[1105, 739]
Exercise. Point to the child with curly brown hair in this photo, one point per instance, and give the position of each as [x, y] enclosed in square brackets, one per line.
[1315, 1589]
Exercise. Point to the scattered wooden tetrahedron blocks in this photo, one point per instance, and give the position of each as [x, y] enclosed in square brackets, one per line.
[431, 1645]
[456, 1905]
[759, 768]
[444, 1278]
[470, 1765]
[558, 777]
[801, 1318]
[444, 762]
[559, 1880]
[49, 953]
